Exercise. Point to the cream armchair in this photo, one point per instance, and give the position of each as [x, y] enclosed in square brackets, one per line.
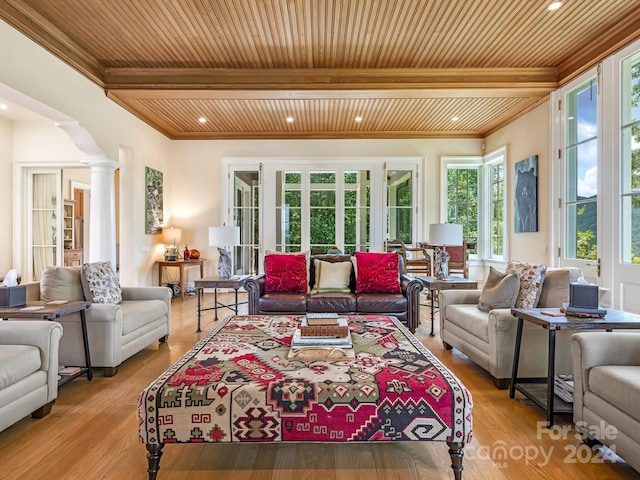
[28, 369]
[606, 389]
[115, 331]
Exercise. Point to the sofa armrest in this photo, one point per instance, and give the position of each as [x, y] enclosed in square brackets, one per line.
[147, 293]
[456, 297]
[39, 333]
[591, 349]
[255, 289]
[411, 288]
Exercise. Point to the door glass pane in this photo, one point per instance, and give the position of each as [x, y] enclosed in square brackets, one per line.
[630, 161]
[44, 223]
[581, 171]
[322, 211]
[288, 211]
[400, 205]
[497, 209]
[245, 216]
[357, 211]
[462, 202]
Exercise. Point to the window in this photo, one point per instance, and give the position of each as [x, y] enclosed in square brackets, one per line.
[400, 221]
[630, 161]
[288, 217]
[357, 211]
[475, 198]
[495, 211]
[462, 201]
[245, 213]
[581, 172]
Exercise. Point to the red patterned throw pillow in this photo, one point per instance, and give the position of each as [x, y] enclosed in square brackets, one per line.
[377, 273]
[286, 273]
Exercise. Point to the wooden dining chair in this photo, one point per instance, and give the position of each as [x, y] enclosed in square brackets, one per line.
[459, 260]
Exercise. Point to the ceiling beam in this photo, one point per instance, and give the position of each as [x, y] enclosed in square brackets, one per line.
[329, 79]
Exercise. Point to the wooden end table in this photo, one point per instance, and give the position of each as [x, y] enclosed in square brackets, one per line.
[52, 311]
[614, 319]
[434, 285]
[236, 282]
[181, 264]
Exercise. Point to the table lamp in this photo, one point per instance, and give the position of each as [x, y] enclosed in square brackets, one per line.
[441, 235]
[222, 237]
[171, 237]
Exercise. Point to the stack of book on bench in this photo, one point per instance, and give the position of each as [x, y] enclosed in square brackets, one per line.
[325, 333]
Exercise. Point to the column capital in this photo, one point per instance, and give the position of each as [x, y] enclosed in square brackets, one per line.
[95, 161]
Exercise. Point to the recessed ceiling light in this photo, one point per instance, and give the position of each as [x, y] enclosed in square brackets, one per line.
[358, 119]
[202, 120]
[3, 106]
[554, 6]
[454, 119]
[289, 119]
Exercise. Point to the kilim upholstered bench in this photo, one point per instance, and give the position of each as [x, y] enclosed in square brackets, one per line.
[238, 385]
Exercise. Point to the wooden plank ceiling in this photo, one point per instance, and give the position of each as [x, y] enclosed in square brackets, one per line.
[407, 68]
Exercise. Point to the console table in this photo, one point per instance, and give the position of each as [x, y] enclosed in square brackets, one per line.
[236, 282]
[180, 264]
[237, 385]
[434, 285]
[552, 320]
[52, 311]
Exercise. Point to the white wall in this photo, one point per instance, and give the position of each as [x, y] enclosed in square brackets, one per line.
[527, 136]
[6, 195]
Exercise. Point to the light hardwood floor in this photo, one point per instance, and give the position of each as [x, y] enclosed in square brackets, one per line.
[91, 433]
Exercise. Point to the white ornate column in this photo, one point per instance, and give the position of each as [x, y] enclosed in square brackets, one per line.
[102, 222]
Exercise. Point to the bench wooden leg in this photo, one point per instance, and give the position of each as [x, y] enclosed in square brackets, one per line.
[44, 410]
[456, 454]
[154, 452]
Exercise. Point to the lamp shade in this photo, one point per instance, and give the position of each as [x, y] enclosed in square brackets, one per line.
[224, 236]
[445, 234]
[172, 236]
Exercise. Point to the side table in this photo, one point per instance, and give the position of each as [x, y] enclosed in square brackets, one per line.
[434, 285]
[236, 282]
[181, 264]
[52, 311]
[613, 320]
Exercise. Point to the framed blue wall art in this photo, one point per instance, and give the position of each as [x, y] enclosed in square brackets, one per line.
[526, 195]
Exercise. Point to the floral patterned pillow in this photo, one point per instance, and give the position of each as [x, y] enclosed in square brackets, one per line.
[101, 282]
[531, 279]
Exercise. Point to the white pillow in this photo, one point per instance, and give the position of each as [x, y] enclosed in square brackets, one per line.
[331, 276]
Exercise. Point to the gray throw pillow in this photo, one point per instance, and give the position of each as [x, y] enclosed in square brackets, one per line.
[500, 291]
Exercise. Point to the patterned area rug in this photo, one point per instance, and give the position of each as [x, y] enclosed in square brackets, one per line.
[237, 385]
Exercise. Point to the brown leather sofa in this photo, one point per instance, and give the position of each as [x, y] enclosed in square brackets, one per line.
[404, 306]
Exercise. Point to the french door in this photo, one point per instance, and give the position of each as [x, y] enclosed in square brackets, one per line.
[292, 205]
[578, 185]
[44, 222]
